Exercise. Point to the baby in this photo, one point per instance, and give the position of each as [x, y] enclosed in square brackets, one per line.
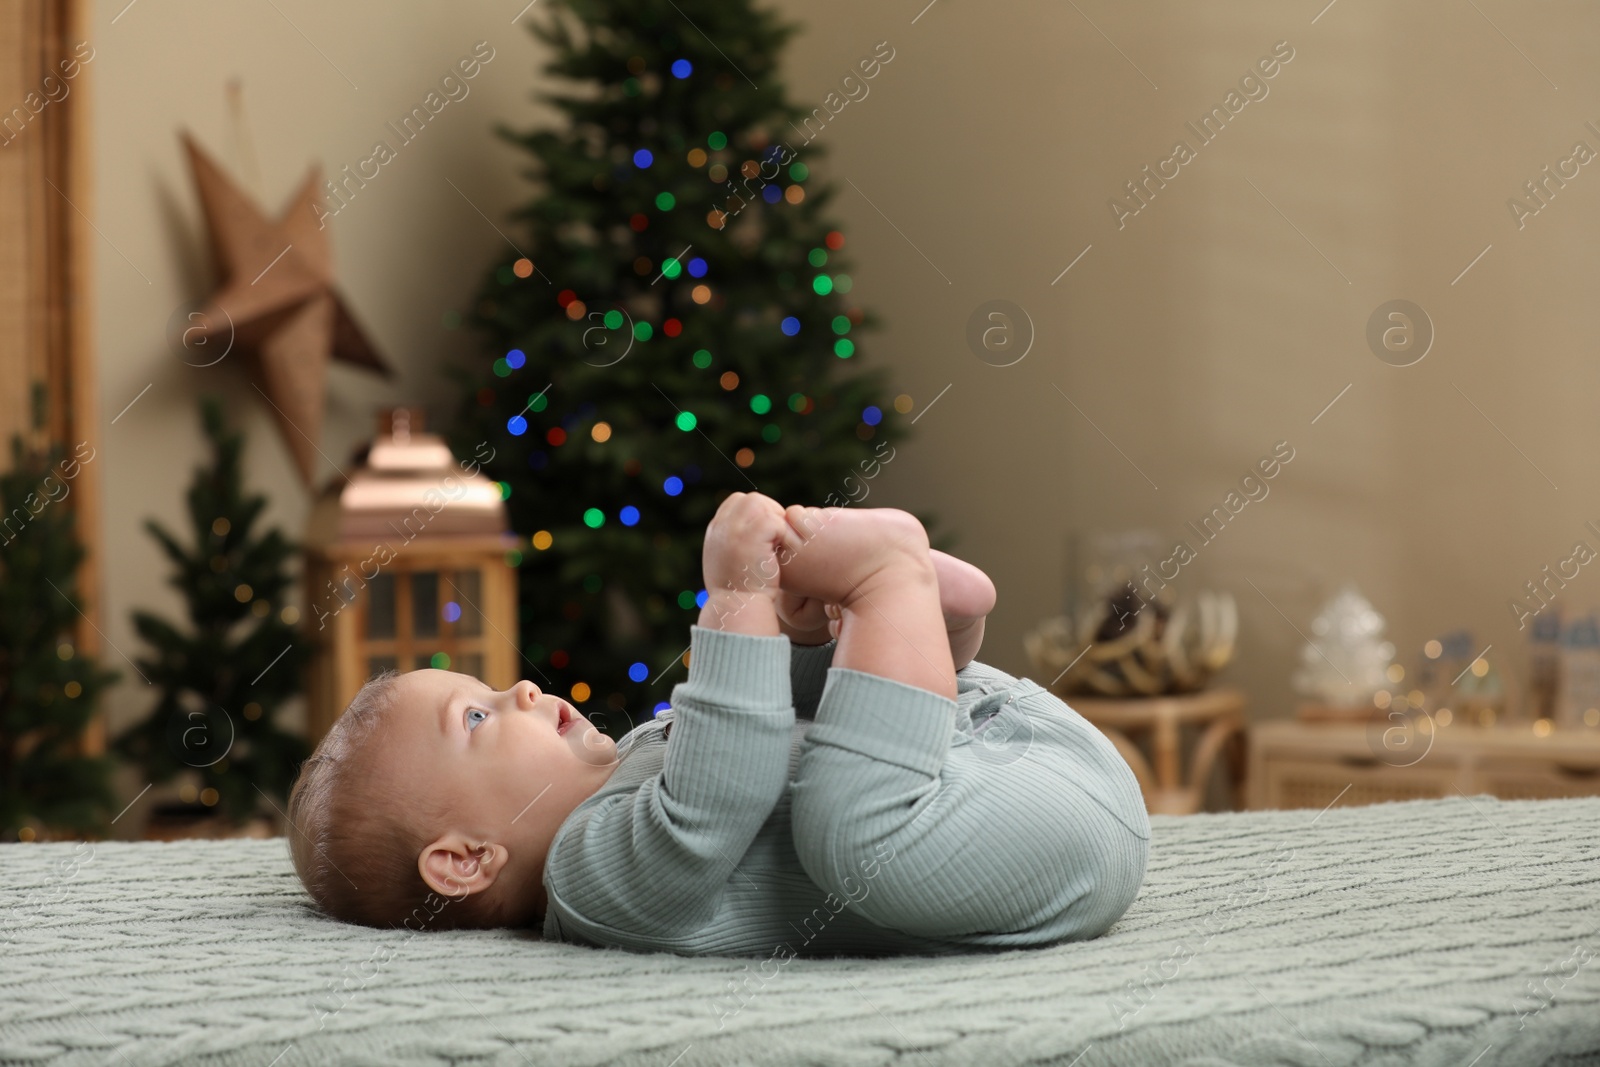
[836, 776]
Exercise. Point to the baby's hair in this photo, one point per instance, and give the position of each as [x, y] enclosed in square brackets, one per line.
[355, 837]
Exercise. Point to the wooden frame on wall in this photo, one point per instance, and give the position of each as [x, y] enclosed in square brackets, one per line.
[46, 322]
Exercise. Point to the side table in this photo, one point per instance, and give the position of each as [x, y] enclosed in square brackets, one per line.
[1219, 713]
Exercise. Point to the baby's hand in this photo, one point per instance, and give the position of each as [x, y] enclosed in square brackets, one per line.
[741, 546]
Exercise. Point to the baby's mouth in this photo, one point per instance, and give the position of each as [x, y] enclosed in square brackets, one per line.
[567, 716]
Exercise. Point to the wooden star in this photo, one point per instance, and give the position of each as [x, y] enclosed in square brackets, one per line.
[278, 301]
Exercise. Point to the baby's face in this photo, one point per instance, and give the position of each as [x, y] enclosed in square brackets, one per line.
[508, 765]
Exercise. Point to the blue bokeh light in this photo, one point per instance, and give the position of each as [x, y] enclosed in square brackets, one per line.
[517, 425]
[791, 325]
[871, 415]
[673, 485]
[516, 358]
[697, 267]
[642, 158]
[772, 194]
[452, 611]
[663, 706]
[700, 598]
[682, 68]
[638, 672]
[629, 516]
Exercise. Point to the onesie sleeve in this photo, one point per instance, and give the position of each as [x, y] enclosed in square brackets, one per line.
[655, 860]
[808, 674]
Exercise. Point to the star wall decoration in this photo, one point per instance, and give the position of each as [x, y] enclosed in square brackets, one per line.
[278, 302]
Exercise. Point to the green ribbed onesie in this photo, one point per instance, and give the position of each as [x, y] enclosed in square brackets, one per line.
[896, 821]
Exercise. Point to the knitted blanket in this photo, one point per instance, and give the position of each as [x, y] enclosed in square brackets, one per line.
[1461, 931]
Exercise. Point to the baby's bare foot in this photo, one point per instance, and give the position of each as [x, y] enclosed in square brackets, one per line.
[965, 592]
[844, 552]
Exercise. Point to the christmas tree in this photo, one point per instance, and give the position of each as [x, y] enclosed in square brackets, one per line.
[674, 326]
[222, 680]
[47, 690]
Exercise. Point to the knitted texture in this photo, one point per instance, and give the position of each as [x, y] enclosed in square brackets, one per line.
[1397, 934]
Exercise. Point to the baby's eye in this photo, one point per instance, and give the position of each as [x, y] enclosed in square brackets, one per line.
[475, 716]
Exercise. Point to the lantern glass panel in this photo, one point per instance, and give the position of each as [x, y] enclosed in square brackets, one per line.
[380, 607]
[425, 604]
[468, 594]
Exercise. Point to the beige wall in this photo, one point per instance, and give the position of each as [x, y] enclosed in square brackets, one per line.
[1194, 338]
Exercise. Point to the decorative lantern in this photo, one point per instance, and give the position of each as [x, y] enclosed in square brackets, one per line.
[408, 565]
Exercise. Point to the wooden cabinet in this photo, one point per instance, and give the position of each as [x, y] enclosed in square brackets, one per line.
[1306, 765]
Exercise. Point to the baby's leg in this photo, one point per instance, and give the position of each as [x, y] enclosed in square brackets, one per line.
[1019, 845]
[874, 565]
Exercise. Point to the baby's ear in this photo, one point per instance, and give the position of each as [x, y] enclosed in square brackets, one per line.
[457, 868]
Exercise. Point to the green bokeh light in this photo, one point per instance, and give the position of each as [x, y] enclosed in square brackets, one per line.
[538, 402]
[702, 358]
[717, 140]
[671, 268]
[799, 172]
[844, 348]
[770, 433]
[761, 403]
[593, 517]
[686, 421]
[665, 201]
[642, 331]
[841, 324]
[822, 285]
[817, 257]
